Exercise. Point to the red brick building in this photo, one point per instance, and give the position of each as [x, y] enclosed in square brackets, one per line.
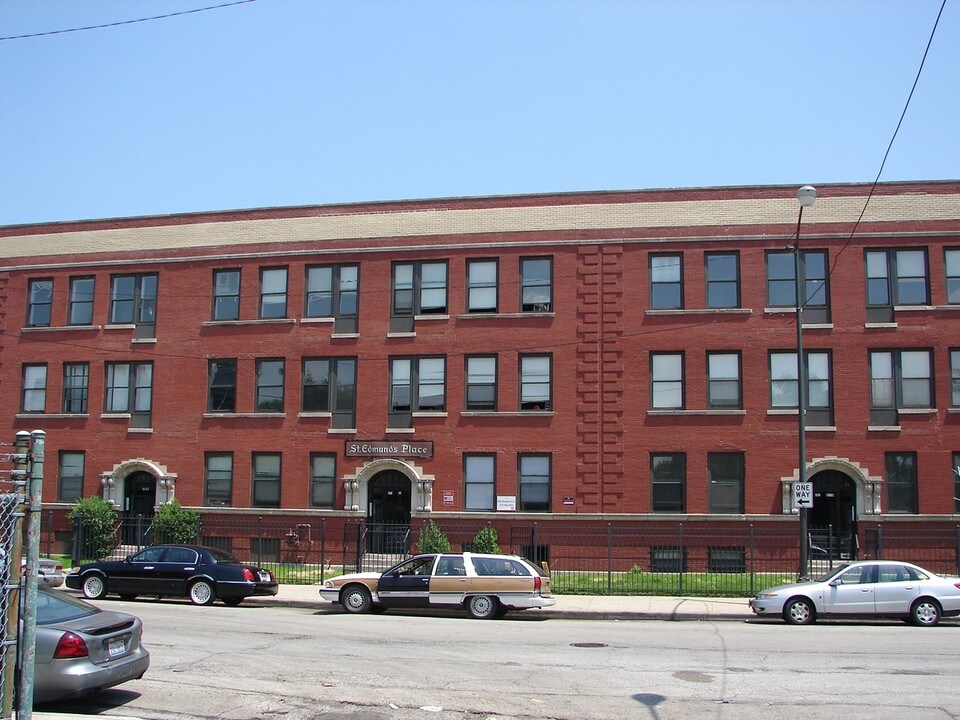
[605, 355]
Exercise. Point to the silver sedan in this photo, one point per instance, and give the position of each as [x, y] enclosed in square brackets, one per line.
[878, 588]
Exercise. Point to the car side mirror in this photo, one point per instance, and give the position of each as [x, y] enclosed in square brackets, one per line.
[834, 583]
[128, 558]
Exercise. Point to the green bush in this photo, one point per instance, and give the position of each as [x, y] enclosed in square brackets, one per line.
[486, 541]
[433, 539]
[175, 524]
[98, 522]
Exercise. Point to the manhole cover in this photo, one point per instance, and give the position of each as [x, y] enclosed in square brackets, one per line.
[588, 645]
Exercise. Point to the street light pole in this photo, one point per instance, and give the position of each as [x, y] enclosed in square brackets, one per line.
[806, 195]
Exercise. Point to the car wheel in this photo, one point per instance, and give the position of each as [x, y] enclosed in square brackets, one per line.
[925, 612]
[94, 587]
[482, 606]
[127, 596]
[201, 593]
[799, 612]
[232, 601]
[356, 599]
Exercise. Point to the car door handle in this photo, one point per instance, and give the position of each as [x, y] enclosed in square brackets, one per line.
[149, 567]
[190, 568]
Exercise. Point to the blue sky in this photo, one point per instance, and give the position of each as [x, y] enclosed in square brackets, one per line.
[300, 102]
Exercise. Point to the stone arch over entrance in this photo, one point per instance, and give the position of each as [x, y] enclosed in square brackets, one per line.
[357, 486]
[117, 483]
[867, 487]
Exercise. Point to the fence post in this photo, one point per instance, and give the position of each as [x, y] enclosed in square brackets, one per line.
[260, 541]
[535, 549]
[680, 559]
[752, 561]
[956, 548]
[879, 542]
[323, 545]
[76, 551]
[609, 559]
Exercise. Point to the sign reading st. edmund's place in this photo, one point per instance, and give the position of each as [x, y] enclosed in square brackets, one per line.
[422, 449]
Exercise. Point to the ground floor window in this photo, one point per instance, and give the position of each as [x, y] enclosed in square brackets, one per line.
[901, 482]
[323, 472]
[218, 479]
[70, 480]
[534, 483]
[668, 481]
[479, 473]
[266, 480]
[725, 475]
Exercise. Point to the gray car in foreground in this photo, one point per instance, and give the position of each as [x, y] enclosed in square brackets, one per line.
[878, 588]
[82, 649]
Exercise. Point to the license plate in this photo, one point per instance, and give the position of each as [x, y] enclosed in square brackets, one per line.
[264, 576]
[115, 648]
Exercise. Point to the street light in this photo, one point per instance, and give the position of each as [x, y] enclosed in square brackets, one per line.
[806, 195]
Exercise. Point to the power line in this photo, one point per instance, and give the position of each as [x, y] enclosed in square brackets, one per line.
[125, 22]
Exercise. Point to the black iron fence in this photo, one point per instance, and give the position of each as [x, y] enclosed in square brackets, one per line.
[652, 558]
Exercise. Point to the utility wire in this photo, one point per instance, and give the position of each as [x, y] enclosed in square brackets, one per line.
[125, 22]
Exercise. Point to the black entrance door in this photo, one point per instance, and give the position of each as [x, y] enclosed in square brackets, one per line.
[388, 512]
[833, 517]
[139, 499]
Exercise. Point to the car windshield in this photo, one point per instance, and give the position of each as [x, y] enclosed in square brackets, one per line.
[53, 609]
[833, 573]
[223, 557]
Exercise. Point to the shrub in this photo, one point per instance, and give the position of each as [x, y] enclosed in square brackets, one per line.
[175, 524]
[98, 526]
[486, 541]
[433, 539]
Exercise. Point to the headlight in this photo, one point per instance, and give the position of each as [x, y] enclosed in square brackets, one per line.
[766, 596]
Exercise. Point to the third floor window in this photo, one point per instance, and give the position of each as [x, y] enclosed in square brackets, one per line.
[536, 284]
[419, 288]
[782, 283]
[332, 291]
[80, 310]
[666, 282]
[481, 286]
[133, 301]
[226, 295]
[39, 302]
[273, 293]
[895, 277]
[723, 279]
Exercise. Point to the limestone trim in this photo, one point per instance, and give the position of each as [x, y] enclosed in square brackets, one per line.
[114, 481]
[356, 485]
[869, 488]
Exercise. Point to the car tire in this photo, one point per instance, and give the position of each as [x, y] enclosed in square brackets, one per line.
[356, 599]
[799, 611]
[94, 587]
[232, 601]
[925, 612]
[201, 593]
[482, 607]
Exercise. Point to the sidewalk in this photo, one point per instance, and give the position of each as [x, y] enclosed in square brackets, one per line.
[572, 607]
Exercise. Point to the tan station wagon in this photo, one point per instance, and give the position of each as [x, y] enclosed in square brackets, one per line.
[486, 585]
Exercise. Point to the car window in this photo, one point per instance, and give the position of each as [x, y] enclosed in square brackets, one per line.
[221, 556]
[857, 575]
[416, 566]
[150, 554]
[59, 608]
[499, 566]
[180, 555]
[892, 573]
[450, 566]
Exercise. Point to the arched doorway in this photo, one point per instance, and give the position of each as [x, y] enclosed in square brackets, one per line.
[139, 501]
[833, 517]
[388, 512]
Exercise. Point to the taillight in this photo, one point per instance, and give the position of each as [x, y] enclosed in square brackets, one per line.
[537, 584]
[70, 646]
[248, 575]
[957, 585]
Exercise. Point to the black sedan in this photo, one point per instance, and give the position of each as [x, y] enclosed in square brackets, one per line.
[200, 573]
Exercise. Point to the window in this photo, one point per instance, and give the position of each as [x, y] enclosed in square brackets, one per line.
[481, 286]
[333, 291]
[323, 473]
[534, 483]
[536, 284]
[34, 398]
[129, 389]
[668, 482]
[133, 300]
[725, 475]
[782, 283]
[952, 262]
[481, 373]
[899, 379]
[535, 382]
[666, 381]
[222, 391]
[80, 309]
[416, 384]
[226, 294]
[70, 479]
[785, 385]
[39, 302]
[273, 293]
[901, 482]
[266, 480]
[479, 482]
[895, 277]
[666, 288]
[218, 479]
[330, 386]
[76, 387]
[419, 288]
[269, 392]
[723, 380]
[955, 378]
[723, 280]
[956, 482]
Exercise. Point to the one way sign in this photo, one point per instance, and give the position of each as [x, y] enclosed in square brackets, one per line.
[803, 494]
